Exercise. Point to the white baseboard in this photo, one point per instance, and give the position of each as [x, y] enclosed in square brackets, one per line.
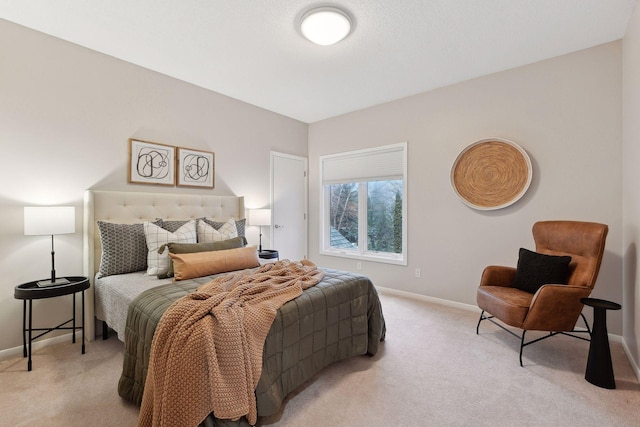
[632, 361]
[37, 345]
[419, 297]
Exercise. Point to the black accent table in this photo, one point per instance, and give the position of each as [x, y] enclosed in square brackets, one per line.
[30, 291]
[599, 367]
[269, 254]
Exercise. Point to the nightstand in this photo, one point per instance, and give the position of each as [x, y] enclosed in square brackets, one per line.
[599, 367]
[30, 291]
[268, 255]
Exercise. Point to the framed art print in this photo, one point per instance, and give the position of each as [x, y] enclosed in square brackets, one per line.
[151, 163]
[195, 168]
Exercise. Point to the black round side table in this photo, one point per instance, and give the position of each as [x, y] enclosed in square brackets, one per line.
[30, 291]
[269, 254]
[599, 367]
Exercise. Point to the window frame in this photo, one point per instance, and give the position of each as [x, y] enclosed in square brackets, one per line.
[362, 252]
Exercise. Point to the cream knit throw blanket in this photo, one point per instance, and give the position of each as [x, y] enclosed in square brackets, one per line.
[206, 354]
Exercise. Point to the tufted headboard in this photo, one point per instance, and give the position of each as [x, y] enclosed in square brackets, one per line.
[132, 207]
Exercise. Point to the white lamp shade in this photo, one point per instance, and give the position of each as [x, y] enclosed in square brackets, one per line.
[260, 217]
[49, 220]
[325, 25]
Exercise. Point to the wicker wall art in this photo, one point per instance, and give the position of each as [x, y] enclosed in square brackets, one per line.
[492, 173]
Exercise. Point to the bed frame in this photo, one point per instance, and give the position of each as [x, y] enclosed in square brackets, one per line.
[131, 207]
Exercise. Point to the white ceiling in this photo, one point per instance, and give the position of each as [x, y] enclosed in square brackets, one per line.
[252, 50]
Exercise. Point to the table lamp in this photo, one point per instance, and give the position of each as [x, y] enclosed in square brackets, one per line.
[50, 220]
[260, 217]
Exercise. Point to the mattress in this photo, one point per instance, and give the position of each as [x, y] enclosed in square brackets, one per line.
[113, 294]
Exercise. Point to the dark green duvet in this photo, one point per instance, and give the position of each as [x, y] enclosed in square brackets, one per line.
[338, 318]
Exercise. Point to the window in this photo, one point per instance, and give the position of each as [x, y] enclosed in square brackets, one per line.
[364, 204]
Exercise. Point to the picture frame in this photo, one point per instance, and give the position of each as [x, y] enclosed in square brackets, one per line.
[195, 168]
[151, 163]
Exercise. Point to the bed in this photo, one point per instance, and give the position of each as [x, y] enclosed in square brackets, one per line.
[340, 317]
[124, 207]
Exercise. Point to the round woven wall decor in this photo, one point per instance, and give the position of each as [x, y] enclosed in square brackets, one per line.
[492, 173]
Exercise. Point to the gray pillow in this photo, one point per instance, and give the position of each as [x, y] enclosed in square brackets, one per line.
[189, 248]
[240, 224]
[173, 225]
[124, 248]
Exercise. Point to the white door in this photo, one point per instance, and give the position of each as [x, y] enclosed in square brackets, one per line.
[289, 206]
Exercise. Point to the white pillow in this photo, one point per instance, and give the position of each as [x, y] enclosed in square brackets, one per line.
[157, 236]
[208, 234]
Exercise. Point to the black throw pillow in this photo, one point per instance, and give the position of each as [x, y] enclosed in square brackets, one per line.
[535, 270]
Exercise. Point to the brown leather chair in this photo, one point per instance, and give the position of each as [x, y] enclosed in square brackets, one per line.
[554, 307]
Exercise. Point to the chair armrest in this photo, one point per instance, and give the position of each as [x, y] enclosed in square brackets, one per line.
[497, 275]
[555, 308]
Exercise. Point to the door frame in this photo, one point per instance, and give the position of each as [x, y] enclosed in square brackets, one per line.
[305, 160]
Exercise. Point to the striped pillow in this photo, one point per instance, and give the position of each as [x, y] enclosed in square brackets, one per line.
[158, 260]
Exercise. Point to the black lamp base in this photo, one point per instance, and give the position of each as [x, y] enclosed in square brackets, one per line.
[54, 280]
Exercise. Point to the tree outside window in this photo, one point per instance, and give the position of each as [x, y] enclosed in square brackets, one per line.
[363, 205]
[384, 215]
[383, 218]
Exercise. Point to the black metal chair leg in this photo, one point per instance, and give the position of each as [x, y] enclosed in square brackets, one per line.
[522, 337]
[522, 346]
[479, 320]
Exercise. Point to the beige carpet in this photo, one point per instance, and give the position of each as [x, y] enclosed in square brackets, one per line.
[433, 370]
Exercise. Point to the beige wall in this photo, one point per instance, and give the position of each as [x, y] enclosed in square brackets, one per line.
[631, 178]
[565, 112]
[66, 113]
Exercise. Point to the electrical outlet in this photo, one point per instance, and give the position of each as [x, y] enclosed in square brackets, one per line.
[418, 272]
[358, 265]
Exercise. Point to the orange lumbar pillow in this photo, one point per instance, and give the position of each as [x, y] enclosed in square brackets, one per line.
[188, 266]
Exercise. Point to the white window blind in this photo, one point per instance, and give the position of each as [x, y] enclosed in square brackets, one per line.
[378, 164]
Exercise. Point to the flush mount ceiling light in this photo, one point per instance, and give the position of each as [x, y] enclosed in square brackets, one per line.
[325, 25]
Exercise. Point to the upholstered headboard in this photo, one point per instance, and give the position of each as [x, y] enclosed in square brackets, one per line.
[132, 207]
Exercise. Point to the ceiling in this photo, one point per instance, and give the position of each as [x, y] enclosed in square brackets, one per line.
[252, 50]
